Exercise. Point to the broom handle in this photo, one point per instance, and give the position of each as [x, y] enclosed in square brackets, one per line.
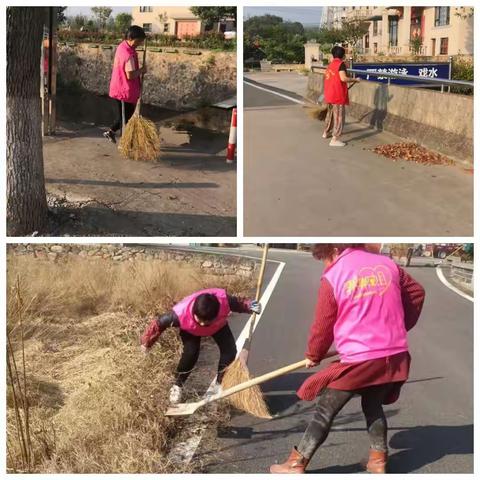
[139, 103]
[248, 340]
[261, 379]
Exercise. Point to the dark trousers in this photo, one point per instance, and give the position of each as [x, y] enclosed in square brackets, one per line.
[330, 402]
[191, 350]
[129, 110]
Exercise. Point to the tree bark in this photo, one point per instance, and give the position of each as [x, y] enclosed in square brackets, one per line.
[26, 196]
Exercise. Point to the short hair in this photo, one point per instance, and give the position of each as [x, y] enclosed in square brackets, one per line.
[206, 307]
[338, 51]
[322, 251]
[135, 32]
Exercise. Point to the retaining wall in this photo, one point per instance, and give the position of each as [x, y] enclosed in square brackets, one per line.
[177, 78]
[210, 263]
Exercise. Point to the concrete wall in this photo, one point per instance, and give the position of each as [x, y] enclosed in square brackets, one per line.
[178, 81]
[440, 121]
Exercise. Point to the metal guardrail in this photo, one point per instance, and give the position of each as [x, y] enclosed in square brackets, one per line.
[439, 82]
[462, 273]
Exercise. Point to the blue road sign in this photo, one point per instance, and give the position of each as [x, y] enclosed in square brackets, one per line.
[421, 70]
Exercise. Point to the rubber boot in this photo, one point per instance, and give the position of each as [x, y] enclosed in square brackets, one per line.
[295, 463]
[377, 462]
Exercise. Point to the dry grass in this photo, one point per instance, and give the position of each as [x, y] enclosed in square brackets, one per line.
[95, 403]
[140, 140]
[249, 400]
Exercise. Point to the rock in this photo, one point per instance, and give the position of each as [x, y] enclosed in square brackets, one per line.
[56, 248]
[83, 253]
[118, 257]
[207, 264]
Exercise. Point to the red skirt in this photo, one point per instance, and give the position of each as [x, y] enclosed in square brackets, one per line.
[354, 376]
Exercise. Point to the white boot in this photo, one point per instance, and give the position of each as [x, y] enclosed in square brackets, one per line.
[175, 394]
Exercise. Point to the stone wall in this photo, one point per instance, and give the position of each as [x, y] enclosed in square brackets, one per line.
[210, 263]
[178, 79]
[440, 121]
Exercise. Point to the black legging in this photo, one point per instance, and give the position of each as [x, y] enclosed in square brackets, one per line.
[129, 110]
[191, 349]
[331, 401]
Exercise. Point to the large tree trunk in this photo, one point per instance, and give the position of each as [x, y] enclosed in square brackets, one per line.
[26, 196]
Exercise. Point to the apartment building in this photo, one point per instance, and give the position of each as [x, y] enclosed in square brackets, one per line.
[434, 30]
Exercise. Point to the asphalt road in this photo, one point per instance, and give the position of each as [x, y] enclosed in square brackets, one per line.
[430, 427]
[296, 185]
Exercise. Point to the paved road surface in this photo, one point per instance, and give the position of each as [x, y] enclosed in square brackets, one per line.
[295, 184]
[431, 426]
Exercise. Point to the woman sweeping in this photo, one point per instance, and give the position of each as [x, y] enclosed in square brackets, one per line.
[336, 95]
[202, 314]
[125, 81]
[366, 305]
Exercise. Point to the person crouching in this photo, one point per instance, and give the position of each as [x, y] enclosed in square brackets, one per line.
[202, 314]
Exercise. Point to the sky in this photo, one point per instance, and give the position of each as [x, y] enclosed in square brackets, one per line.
[305, 15]
[71, 11]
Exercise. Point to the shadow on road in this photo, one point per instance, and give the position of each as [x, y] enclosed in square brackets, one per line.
[105, 183]
[104, 220]
[420, 446]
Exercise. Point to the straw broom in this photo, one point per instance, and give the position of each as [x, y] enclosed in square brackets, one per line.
[140, 139]
[320, 111]
[250, 400]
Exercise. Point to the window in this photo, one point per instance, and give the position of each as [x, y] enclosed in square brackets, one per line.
[367, 41]
[442, 16]
[375, 27]
[393, 31]
[166, 27]
[375, 47]
[444, 46]
[146, 9]
[147, 27]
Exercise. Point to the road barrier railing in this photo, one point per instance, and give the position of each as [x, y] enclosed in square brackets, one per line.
[443, 83]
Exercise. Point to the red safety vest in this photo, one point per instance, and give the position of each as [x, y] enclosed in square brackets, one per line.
[335, 91]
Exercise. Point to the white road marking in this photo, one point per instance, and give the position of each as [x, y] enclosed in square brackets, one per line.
[442, 278]
[273, 92]
[185, 451]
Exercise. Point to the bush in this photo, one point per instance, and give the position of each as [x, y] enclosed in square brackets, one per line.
[462, 69]
[208, 40]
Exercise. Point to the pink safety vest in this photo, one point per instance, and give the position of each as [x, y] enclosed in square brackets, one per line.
[121, 87]
[370, 319]
[184, 308]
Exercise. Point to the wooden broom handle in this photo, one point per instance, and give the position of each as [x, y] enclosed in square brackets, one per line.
[262, 378]
[139, 102]
[261, 274]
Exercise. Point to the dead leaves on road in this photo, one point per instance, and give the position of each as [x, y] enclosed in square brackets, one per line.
[412, 152]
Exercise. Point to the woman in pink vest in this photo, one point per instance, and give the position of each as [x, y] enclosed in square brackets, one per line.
[335, 93]
[366, 305]
[202, 314]
[125, 81]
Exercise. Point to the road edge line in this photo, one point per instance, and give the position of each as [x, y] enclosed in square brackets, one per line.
[443, 279]
[185, 451]
[275, 93]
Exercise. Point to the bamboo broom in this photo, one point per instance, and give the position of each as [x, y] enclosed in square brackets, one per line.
[320, 111]
[140, 139]
[250, 400]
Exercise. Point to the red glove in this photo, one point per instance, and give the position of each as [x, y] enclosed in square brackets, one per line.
[151, 334]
